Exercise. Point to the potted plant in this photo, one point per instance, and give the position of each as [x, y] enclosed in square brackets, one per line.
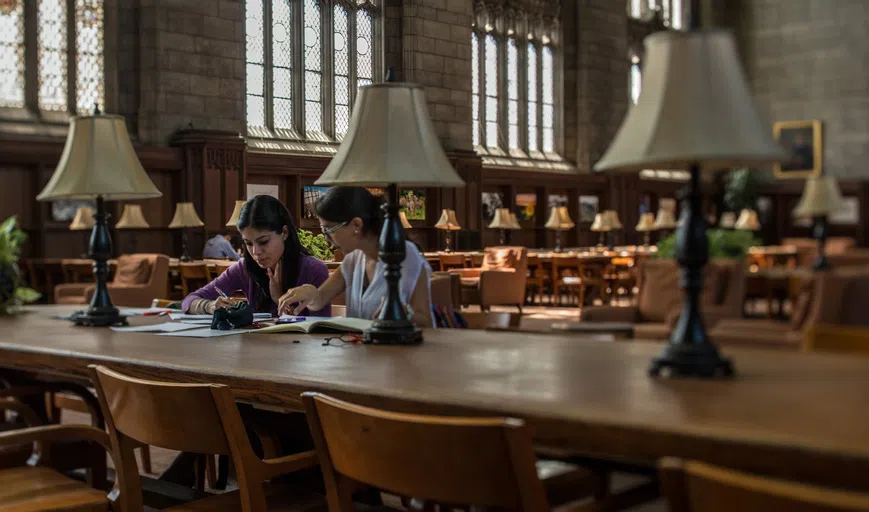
[12, 293]
[316, 245]
[723, 243]
[742, 190]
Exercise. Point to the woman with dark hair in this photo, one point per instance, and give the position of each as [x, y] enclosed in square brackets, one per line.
[351, 219]
[274, 262]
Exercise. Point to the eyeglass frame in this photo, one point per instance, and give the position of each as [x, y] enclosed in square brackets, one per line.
[327, 232]
[354, 339]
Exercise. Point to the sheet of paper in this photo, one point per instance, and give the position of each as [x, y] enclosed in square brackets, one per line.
[164, 327]
[185, 316]
[204, 321]
[140, 311]
[203, 332]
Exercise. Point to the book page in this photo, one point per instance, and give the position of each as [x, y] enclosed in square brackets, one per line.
[340, 324]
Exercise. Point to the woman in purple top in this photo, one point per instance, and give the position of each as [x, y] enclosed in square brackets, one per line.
[273, 263]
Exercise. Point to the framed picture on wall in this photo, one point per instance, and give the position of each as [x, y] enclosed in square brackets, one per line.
[64, 210]
[849, 214]
[526, 204]
[254, 189]
[309, 198]
[555, 200]
[588, 208]
[491, 202]
[803, 141]
[412, 202]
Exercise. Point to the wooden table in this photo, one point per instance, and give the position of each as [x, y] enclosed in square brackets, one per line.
[790, 415]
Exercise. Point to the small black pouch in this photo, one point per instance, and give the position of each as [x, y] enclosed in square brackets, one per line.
[239, 314]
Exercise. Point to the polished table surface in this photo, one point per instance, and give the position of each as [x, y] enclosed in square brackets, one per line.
[786, 414]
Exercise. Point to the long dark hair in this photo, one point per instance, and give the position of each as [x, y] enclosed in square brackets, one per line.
[343, 204]
[267, 213]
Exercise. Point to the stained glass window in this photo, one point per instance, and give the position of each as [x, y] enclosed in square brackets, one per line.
[89, 55]
[313, 66]
[255, 57]
[12, 54]
[548, 86]
[533, 98]
[341, 46]
[282, 64]
[512, 94]
[491, 63]
[364, 47]
[52, 54]
[475, 88]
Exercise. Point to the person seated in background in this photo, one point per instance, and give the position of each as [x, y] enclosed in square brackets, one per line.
[351, 219]
[219, 247]
[274, 262]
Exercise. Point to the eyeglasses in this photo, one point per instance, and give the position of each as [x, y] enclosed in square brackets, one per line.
[327, 232]
[340, 341]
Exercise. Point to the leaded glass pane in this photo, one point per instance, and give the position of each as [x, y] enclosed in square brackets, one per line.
[89, 55]
[255, 72]
[548, 140]
[51, 39]
[476, 118]
[491, 77]
[12, 54]
[636, 83]
[475, 85]
[636, 8]
[512, 70]
[342, 70]
[513, 119]
[677, 15]
[342, 90]
[532, 97]
[548, 76]
[364, 53]
[282, 65]
[313, 117]
[313, 77]
[342, 119]
[492, 122]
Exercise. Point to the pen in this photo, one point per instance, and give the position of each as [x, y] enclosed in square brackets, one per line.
[221, 292]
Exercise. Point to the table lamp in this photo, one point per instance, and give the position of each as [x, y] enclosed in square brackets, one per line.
[391, 141]
[645, 226]
[694, 113]
[727, 221]
[83, 221]
[98, 161]
[506, 222]
[185, 217]
[514, 221]
[601, 225]
[402, 216]
[236, 212]
[132, 218]
[747, 220]
[614, 224]
[821, 197]
[448, 223]
[559, 220]
[664, 220]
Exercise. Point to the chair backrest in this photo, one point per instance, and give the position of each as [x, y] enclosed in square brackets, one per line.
[193, 276]
[446, 290]
[660, 295]
[452, 260]
[698, 487]
[731, 279]
[78, 270]
[836, 338]
[220, 267]
[503, 257]
[461, 461]
[563, 266]
[477, 259]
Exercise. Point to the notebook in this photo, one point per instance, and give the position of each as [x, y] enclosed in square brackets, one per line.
[325, 324]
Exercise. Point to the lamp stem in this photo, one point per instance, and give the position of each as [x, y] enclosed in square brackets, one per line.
[447, 241]
[689, 352]
[504, 234]
[101, 311]
[392, 326]
[647, 235]
[819, 231]
[557, 241]
[185, 256]
[601, 239]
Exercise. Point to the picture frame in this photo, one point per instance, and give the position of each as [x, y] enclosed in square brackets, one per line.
[803, 140]
[412, 202]
[588, 208]
[491, 201]
[310, 194]
[64, 210]
[526, 205]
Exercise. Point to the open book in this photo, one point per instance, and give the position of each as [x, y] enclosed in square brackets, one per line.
[324, 324]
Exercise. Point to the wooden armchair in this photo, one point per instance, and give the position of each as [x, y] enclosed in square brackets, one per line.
[138, 410]
[139, 292]
[193, 276]
[500, 281]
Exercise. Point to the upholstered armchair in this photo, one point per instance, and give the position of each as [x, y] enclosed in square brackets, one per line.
[139, 279]
[500, 281]
[660, 299]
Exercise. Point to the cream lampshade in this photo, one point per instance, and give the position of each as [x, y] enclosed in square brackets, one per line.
[821, 197]
[448, 221]
[402, 216]
[504, 221]
[84, 219]
[391, 141]
[696, 113]
[747, 220]
[132, 218]
[236, 212]
[664, 219]
[614, 221]
[646, 223]
[728, 220]
[185, 217]
[514, 221]
[99, 161]
[559, 220]
[601, 223]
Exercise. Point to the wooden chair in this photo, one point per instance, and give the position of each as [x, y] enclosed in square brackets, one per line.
[565, 275]
[460, 461]
[138, 410]
[836, 338]
[536, 281]
[38, 487]
[193, 276]
[697, 487]
[451, 260]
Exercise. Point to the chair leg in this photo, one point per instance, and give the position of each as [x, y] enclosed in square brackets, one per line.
[210, 472]
[222, 472]
[145, 453]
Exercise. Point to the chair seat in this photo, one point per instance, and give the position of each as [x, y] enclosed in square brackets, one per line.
[27, 489]
[566, 482]
[471, 281]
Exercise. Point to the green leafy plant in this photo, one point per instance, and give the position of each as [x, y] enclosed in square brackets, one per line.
[316, 245]
[742, 190]
[12, 294]
[723, 243]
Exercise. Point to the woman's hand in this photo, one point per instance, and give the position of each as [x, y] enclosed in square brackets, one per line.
[275, 289]
[304, 296]
[220, 302]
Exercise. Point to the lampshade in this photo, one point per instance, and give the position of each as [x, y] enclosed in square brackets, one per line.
[728, 220]
[236, 211]
[646, 223]
[185, 217]
[614, 221]
[502, 219]
[132, 218]
[695, 108]
[559, 219]
[601, 222]
[98, 160]
[665, 219]
[391, 140]
[514, 222]
[84, 219]
[820, 197]
[402, 216]
[747, 220]
[448, 221]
